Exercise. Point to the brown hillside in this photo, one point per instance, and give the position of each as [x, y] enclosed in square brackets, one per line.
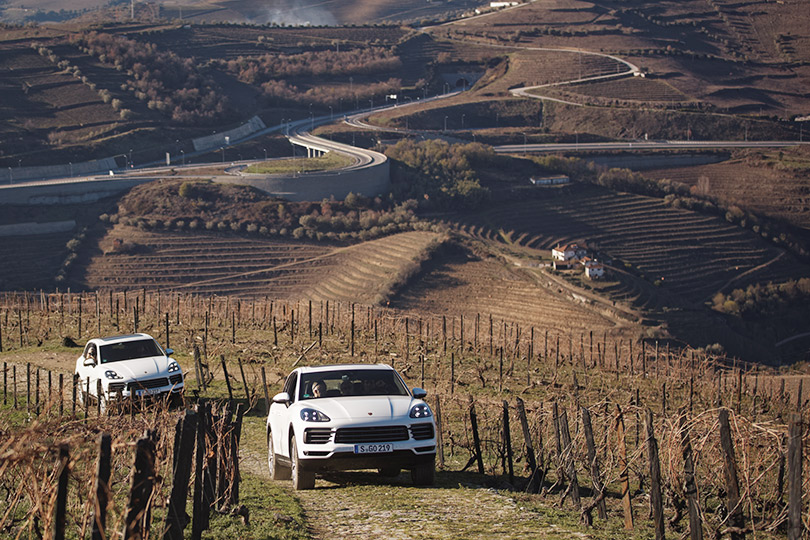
[691, 255]
[768, 183]
[230, 264]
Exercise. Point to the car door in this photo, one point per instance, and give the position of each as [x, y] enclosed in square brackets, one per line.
[279, 417]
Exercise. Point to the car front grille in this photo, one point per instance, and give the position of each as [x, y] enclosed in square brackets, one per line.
[148, 383]
[421, 432]
[317, 435]
[116, 387]
[176, 379]
[371, 434]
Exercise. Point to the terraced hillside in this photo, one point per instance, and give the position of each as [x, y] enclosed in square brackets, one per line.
[368, 273]
[227, 264]
[743, 57]
[767, 185]
[690, 255]
[467, 285]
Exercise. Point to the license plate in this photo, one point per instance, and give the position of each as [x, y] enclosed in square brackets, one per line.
[376, 448]
[147, 392]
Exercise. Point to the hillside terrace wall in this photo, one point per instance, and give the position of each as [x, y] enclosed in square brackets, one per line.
[368, 181]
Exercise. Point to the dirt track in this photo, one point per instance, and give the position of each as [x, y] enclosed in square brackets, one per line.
[366, 506]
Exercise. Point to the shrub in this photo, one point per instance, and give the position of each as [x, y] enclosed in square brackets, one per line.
[186, 190]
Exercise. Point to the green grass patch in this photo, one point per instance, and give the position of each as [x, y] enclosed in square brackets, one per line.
[326, 162]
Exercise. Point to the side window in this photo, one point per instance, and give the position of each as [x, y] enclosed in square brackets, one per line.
[289, 385]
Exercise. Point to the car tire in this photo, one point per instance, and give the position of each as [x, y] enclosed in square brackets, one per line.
[301, 479]
[423, 475]
[389, 472]
[277, 471]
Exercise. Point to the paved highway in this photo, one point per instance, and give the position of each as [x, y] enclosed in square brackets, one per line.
[638, 146]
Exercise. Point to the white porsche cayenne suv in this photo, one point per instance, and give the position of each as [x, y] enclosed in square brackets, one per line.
[349, 417]
[129, 366]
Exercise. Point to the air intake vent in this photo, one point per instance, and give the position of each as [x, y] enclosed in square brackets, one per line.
[371, 434]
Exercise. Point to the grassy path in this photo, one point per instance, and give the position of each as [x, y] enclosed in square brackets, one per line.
[363, 505]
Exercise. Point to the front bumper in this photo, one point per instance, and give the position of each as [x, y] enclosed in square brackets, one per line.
[150, 388]
[349, 461]
[333, 449]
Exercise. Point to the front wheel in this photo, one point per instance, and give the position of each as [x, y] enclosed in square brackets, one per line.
[301, 479]
[277, 471]
[423, 475]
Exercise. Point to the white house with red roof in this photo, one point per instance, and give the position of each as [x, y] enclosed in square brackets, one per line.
[568, 252]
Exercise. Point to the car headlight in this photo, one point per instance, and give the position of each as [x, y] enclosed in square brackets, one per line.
[174, 366]
[313, 415]
[110, 374]
[420, 411]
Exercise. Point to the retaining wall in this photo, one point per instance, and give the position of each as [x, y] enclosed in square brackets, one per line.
[217, 140]
[14, 175]
[369, 181]
[76, 192]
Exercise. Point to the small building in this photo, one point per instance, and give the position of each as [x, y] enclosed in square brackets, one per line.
[549, 180]
[503, 4]
[562, 265]
[594, 269]
[568, 252]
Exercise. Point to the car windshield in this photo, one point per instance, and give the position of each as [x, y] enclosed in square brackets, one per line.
[348, 382]
[129, 350]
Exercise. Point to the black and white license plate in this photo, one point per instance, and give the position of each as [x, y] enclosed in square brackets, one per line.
[373, 448]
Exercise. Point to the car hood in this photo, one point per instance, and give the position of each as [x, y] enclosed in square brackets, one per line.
[364, 407]
[139, 368]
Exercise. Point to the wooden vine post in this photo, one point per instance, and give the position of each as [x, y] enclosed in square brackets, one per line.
[690, 485]
[439, 436]
[176, 518]
[507, 440]
[794, 459]
[656, 499]
[102, 489]
[624, 477]
[736, 519]
[136, 526]
[476, 439]
[593, 465]
[570, 467]
[60, 508]
[527, 437]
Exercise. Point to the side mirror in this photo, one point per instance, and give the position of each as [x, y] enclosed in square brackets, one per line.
[169, 352]
[89, 362]
[283, 397]
[419, 393]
